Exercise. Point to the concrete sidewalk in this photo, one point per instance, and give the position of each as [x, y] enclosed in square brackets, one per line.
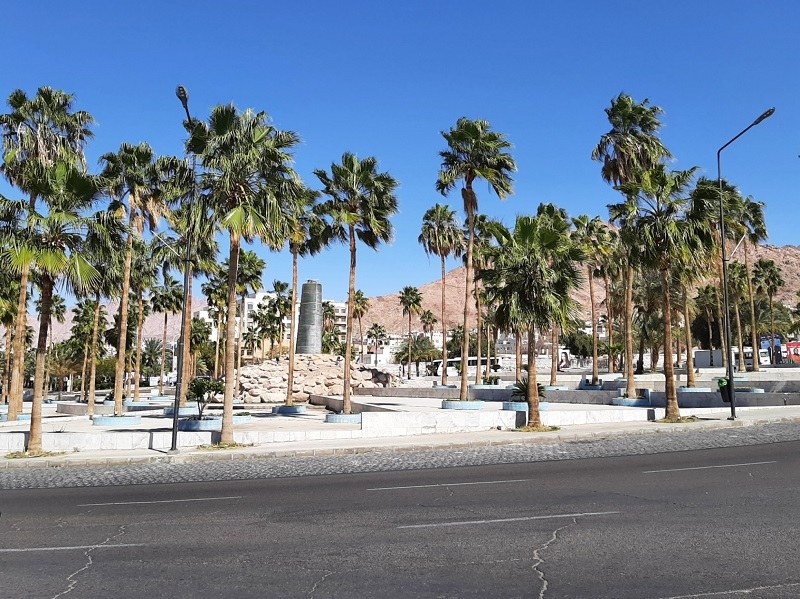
[309, 435]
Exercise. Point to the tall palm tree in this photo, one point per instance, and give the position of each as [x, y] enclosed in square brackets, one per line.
[37, 133]
[629, 148]
[768, 281]
[657, 207]
[360, 204]
[360, 307]
[411, 300]
[531, 282]
[473, 152]
[144, 275]
[246, 166]
[377, 334]
[166, 299]
[754, 222]
[590, 234]
[737, 288]
[130, 175]
[442, 236]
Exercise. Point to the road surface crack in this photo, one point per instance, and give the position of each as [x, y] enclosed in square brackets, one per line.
[319, 582]
[71, 579]
[539, 560]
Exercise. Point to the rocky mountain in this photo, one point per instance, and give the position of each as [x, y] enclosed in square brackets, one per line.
[386, 309]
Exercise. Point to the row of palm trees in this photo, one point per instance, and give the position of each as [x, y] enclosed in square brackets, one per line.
[86, 233]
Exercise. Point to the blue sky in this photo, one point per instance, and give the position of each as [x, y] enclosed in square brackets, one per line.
[384, 79]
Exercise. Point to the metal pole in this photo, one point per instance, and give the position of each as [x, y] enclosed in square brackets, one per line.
[725, 301]
[184, 98]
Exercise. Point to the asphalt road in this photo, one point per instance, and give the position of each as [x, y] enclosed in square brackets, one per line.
[717, 523]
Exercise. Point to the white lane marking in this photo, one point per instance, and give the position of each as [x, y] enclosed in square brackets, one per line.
[485, 482]
[76, 547]
[771, 587]
[161, 501]
[709, 467]
[501, 520]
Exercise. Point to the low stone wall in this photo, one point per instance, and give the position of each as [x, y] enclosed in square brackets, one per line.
[314, 374]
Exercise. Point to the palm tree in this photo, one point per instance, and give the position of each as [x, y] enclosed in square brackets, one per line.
[37, 133]
[248, 280]
[473, 152]
[246, 165]
[658, 210]
[131, 174]
[768, 280]
[282, 304]
[377, 333]
[737, 287]
[360, 203]
[752, 218]
[360, 307]
[58, 310]
[215, 290]
[533, 276]
[706, 301]
[442, 236]
[428, 320]
[411, 300]
[630, 147]
[591, 234]
[166, 299]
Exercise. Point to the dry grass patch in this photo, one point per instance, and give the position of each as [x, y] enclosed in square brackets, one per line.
[537, 429]
[681, 420]
[224, 446]
[32, 454]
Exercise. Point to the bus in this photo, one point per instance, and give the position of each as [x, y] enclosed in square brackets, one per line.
[454, 365]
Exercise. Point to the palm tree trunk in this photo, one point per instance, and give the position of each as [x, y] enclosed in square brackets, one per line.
[18, 362]
[35, 436]
[726, 351]
[292, 329]
[517, 355]
[239, 339]
[360, 336]
[164, 356]
[610, 329]
[554, 354]
[486, 371]
[534, 416]
[186, 342]
[93, 354]
[630, 389]
[464, 391]
[119, 369]
[751, 296]
[478, 334]
[409, 343]
[216, 343]
[772, 359]
[226, 435]
[710, 337]
[690, 382]
[444, 327]
[139, 330]
[7, 367]
[84, 369]
[672, 412]
[595, 335]
[741, 366]
[348, 344]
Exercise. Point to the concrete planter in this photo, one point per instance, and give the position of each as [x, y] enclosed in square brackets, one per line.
[343, 418]
[585, 386]
[455, 404]
[555, 388]
[522, 406]
[4, 408]
[185, 411]
[682, 390]
[208, 423]
[749, 390]
[116, 420]
[242, 419]
[631, 403]
[20, 417]
[289, 410]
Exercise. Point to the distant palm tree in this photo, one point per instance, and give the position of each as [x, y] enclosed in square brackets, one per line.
[768, 281]
[737, 288]
[248, 280]
[411, 300]
[360, 203]
[473, 152]
[360, 307]
[442, 236]
[377, 333]
[166, 299]
[428, 320]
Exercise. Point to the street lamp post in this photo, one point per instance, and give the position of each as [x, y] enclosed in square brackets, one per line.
[726, 306]
[183, 96]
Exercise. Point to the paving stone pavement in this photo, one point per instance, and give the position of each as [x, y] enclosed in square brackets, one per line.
[382, 460]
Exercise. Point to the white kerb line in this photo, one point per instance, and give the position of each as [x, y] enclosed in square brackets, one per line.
[485, 482]
[710, 467]
[161, 501]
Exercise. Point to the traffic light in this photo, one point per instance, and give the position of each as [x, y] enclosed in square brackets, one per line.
[724, 390]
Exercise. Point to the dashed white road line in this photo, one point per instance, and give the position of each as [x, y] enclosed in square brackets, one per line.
[485, 482]
[161, 501]
[72, 548]
[502, 520]
[709, 467]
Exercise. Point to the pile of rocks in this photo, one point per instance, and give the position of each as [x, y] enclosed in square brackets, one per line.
[318, 374]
